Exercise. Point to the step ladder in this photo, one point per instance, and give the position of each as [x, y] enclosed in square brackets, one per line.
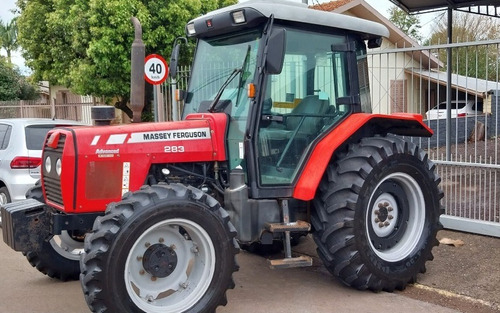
[288, 227]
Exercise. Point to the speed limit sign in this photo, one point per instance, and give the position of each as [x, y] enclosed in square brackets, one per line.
[155, 69]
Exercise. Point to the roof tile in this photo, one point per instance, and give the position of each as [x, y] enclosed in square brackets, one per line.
[329, 6]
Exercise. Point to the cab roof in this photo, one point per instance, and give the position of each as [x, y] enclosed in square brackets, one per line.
[300, 13]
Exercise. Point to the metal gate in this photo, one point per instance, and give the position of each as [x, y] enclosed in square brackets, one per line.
[465, 145]
[171, 107]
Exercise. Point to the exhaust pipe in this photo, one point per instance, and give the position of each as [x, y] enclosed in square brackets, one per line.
[138, 54]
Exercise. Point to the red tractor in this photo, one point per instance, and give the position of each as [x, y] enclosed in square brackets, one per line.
[277, 140]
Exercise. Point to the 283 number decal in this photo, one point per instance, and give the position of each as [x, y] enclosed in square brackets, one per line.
[173, 149]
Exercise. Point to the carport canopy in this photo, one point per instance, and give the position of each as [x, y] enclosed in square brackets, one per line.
[490, 8]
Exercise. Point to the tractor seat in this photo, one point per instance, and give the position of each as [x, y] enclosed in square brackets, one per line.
[309, 125]
[310, 105]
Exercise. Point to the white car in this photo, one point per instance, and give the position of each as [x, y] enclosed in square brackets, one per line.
[21, 142]
[459, 108]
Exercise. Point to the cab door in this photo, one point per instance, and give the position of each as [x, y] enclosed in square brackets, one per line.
[299, 106]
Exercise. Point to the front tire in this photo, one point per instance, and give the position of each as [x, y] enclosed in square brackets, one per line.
[59, 256]
[164, 248]
[377, 214]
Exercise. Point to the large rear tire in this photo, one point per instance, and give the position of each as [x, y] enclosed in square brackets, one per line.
[164, 248]
[59, 256]
[377, 214]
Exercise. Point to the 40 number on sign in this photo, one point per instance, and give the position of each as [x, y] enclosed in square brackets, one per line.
[155, 69]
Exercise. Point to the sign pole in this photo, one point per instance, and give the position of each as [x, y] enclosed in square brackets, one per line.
[161, 104]
[155, 103]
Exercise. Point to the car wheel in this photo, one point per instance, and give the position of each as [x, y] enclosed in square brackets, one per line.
[4, 196]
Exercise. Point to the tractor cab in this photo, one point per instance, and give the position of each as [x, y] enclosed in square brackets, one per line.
[285, 78]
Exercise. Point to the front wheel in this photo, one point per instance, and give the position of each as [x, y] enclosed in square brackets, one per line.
[59, 256]
[164, 248]
[377, 214]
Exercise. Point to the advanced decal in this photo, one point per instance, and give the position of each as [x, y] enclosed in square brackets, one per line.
[107, 153]
[171, 135]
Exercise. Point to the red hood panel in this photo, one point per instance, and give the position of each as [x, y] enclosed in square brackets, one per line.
[101, 163]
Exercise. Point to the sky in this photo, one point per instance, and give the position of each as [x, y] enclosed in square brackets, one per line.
[426, 20]
[6, 16]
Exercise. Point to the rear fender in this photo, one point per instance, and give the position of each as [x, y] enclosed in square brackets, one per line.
[352, 129]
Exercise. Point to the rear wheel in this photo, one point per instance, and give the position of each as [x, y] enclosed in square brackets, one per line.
[58, 257]
[165, 248]
[377, 214]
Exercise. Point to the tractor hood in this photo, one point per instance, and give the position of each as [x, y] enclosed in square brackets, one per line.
[85, 168]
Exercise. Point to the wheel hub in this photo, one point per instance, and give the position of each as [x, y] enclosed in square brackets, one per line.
[388, 216]
[159, 260]
[383, 214]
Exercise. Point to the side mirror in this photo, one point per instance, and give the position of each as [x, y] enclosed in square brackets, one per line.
[174, 57]
[276, 51]
[180, 95]
[375, 43]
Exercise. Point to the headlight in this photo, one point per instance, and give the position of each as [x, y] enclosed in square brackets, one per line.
[48, 164]
[58, 167]
[238, 17]
[190, 29]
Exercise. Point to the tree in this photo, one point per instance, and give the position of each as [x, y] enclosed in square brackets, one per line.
[409, 24]
[85, 44]
[8, 37]
[480, 61]
[13, 86]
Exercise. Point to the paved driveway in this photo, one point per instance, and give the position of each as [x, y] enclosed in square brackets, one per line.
[258, 289]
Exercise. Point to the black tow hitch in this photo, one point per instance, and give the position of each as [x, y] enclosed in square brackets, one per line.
[25, 224]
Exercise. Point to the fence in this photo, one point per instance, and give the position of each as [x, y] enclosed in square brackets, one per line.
[172, 107]
[13, 109]
[26, 109]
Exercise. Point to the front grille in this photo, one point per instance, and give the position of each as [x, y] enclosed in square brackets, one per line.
[52, 181]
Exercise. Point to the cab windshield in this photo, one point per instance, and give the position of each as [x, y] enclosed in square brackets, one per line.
[222, 69]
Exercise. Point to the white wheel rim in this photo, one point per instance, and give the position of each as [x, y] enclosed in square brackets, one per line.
[66, 246]
[415, 223]
[3, 199]
[190, 279]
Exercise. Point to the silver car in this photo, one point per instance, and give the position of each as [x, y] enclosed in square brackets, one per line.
[459, 108]
[21, 142]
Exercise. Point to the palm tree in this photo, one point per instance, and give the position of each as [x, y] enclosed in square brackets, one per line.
[8, 37]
